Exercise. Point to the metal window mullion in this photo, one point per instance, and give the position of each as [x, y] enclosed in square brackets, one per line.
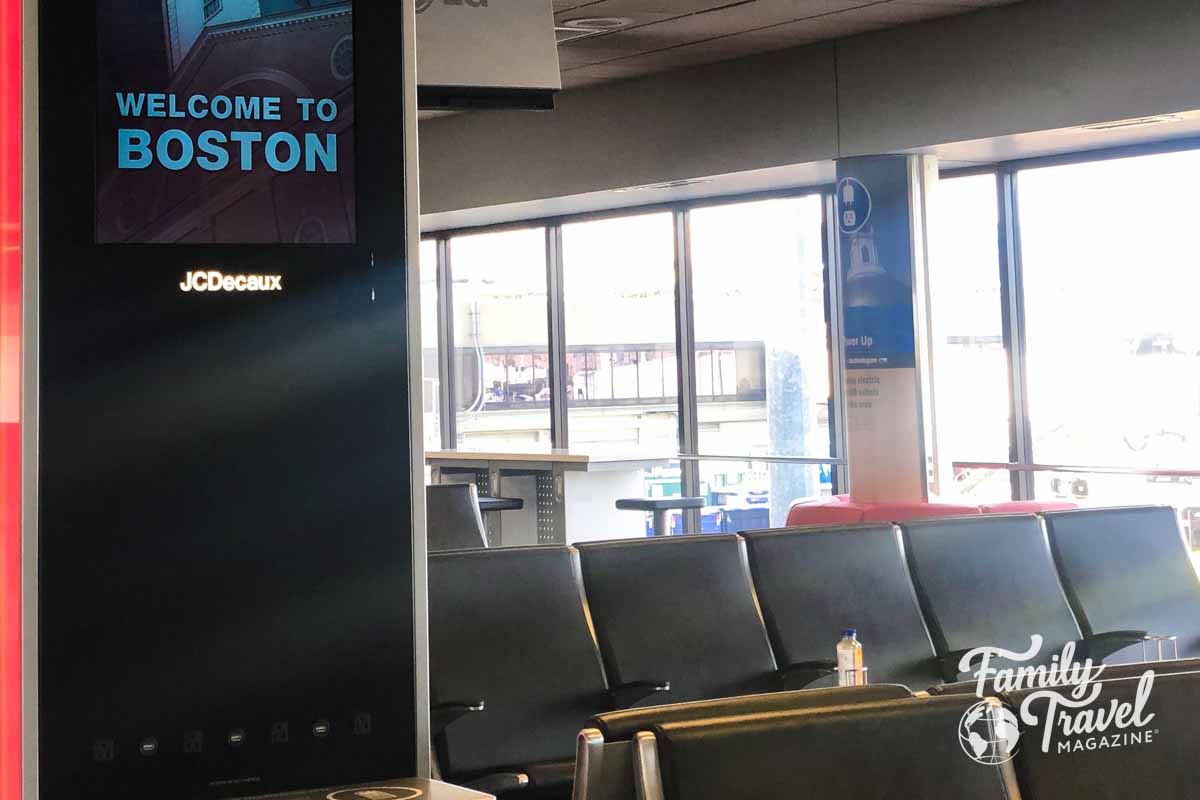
[1012, 310]
[447, 379]
[685, 356]
[837, 366]
[556, 304]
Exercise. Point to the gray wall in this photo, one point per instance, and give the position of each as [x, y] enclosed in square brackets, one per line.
[1039, 65]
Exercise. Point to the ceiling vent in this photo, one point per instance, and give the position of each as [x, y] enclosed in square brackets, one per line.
[1137, 122]
[582, 27]
[666, 185]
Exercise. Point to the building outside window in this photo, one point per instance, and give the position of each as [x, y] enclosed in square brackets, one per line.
[501, 363]
[211, 9]
[622, 373]
[762, 357]
[619, 288]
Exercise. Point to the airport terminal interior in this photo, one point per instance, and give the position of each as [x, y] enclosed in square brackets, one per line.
[600, 399]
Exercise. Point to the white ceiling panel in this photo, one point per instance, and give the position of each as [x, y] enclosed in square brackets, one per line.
[662, 35]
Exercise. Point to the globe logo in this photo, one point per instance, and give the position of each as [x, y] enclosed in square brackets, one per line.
[989, 733]
[377, 793]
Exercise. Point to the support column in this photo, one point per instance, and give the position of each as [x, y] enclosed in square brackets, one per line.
[882, 204]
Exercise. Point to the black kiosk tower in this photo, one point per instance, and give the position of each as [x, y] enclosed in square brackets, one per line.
[224, 484]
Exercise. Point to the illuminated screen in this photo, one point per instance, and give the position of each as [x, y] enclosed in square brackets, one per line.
[225, 121]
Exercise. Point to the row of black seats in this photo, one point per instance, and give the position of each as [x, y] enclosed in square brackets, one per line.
[879, 743]
[526, 643]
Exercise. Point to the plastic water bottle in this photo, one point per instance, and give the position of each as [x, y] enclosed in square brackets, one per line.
[850, 659]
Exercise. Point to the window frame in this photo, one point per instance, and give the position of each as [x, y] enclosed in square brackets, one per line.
[1012, 300]
[685, 342]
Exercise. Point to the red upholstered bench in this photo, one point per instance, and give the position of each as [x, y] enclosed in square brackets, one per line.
[841, 509]
[899, 512]
[1027, 507]
[835, 510]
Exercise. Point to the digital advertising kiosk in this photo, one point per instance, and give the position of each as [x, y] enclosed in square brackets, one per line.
[218, 560]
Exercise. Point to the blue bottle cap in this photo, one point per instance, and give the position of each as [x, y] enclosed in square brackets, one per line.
[850, 632]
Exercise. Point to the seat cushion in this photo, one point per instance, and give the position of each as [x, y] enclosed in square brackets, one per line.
[812, 583]
[989, 581]
[679, 610]
[508, 626]
[1128, 569]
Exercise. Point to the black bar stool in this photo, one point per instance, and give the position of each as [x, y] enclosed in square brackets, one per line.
[660, 506]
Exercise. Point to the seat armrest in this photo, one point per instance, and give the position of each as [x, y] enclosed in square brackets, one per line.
[803, 673]
[627, 694]
[499, 783]
[442, 714]
[1100, 646]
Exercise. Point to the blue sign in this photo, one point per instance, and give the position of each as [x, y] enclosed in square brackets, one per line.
[876, 261]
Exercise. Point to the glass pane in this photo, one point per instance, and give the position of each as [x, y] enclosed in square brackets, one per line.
[970, 368]
[1113, 333]
[430, 384]
[619, 284]
[762, 352]
[738, 494]
[592, 514]
[501, 341]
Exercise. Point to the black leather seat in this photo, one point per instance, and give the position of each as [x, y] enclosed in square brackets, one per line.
[814, 582]
[1128, 568]
[604, 755]
[452, 517]
[878, 751]
[678, 612]
[514, 669]
[1154, 760]
[990, 581]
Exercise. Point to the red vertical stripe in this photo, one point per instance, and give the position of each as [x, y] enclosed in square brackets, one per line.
[10, 399]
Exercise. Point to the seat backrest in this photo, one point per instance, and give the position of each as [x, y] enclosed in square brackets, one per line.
[452, 517]
[1152, 755]
[509, 627]
[1128, 569]
[604, 758]
[988, 581]
[878, 751]
[813, 583]
[678, 610]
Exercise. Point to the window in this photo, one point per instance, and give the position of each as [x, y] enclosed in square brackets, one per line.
[762, 356]
[501, 357]
[1113, 336]
[970, 366]
[430, 380]
[211, 9]
[619, 287]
